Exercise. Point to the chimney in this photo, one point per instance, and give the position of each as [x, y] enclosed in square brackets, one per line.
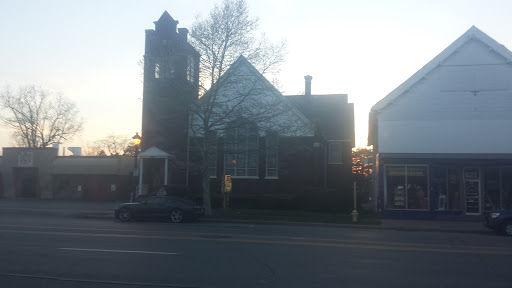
[183, 33]
[308, 78]
[77, 151]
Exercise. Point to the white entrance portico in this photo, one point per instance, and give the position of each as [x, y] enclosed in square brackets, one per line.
[153, 152]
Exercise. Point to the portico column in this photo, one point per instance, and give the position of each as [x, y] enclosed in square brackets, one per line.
[139, 189]
[166, 170]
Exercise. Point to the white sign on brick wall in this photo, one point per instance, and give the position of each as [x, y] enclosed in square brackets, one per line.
[25, 159]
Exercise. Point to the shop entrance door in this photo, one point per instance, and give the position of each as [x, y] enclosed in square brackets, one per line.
[26, 182]
[491, 188]
[497, 188]
[472, 190]
[506, 188]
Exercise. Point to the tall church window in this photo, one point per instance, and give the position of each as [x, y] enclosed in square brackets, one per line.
[272, 155]
[241, 150]
[335, 152]
[164, 70]
[190, 69]
[157, 70]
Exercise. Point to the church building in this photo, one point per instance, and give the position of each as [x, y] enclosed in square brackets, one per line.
[287, 151]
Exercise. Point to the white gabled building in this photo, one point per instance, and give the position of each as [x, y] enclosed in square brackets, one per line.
[443, 139]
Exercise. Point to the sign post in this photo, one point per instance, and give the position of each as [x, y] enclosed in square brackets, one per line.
[354, 212]
[227, 189]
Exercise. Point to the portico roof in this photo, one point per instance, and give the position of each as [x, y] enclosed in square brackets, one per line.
[154, 152]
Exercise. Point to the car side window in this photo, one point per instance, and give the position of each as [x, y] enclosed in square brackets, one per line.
[155, 200]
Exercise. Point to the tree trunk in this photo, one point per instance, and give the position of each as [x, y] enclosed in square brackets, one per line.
[205, 177]
[206, 194]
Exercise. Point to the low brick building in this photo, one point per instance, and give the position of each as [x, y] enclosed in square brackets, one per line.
[39, 173]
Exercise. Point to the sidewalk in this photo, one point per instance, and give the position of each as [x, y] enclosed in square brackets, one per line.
[436, 225]
[80, 209]
[105, 210]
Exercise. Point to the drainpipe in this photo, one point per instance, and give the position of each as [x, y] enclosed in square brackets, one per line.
[325, 164]
[188, 147]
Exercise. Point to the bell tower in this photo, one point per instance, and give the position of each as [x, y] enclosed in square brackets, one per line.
[171, 81]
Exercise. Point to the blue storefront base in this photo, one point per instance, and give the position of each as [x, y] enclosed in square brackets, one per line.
[434, 164]
[423, 215]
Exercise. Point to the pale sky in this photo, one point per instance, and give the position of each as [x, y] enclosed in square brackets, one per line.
[89, 50]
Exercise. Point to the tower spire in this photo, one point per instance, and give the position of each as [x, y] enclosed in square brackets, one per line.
[166, 24]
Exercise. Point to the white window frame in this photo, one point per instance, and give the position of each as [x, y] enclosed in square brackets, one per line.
[246, 152]
[164, 70]
[157, 71]
[479, 182]
[386, 185]
[190, 69]
[329, 145]
[276, 157]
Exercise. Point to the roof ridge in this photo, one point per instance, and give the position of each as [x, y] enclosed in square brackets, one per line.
[438, 59]
[165, 16]
[243, 60]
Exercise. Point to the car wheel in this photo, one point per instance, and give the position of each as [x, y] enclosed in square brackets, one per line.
[177, 215]
[507, 228]
[124, 215]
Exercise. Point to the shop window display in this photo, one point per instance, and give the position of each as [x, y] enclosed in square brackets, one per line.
[506, 184]
[492, 197]
[406, 187]
[497, 188]
[447, 189]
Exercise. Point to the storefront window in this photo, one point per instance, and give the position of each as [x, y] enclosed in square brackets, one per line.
[497, 188]
[492, 198]
[407, 187]
[447, 186]
[506, 184]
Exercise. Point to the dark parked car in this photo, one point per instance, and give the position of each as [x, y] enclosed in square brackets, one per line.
[175, 209]
[174, 191]
[500, 221]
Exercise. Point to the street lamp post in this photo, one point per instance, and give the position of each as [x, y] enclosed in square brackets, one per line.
[136, 144]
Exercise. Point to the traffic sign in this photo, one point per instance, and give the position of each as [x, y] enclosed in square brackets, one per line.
[227, 183]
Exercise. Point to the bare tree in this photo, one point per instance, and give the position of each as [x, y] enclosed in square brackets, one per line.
[114, 145]
[38, 117]
[362, 159]
[92, 150]
[221, 38]
[227, 33]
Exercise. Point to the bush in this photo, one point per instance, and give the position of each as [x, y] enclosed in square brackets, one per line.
[329, 201]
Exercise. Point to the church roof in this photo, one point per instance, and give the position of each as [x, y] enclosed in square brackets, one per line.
[166, 18]
[243, 61]
[260, 99]
[331, 112]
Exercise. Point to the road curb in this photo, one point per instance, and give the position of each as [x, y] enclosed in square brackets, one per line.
[109, 215]
[353, 226]
[290, 223]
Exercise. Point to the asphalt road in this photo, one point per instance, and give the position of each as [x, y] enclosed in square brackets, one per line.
[46, 251]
